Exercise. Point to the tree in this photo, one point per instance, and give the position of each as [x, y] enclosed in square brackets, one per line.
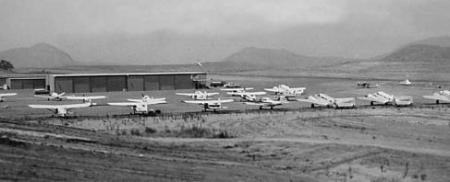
[6, 65]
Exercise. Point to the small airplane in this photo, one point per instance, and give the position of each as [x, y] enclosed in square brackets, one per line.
[246, 95]
[365, 84]
[325, 100]
[53, 96]
[384, 98]
[440, 96]
[199, 95]
[85, 98]
[141, 105]
[146, 98]
[2, 96]
[286, 90]
[405, 82]
[62, 110]
[236, 89]
[210, 104]
[267, 102]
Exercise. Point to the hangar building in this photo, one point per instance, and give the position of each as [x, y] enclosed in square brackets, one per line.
[25, 82]
[110, 82]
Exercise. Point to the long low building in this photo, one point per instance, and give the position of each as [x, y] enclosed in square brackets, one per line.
[110, 82]
[24, 82]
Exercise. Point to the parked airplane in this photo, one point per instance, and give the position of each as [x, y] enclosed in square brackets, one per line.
[2, 96]
[236, 89]
[325, 100]
[146, 98]
[199, 95]
[286, 90]
[62, 110]
[210, 104]
[246, 95]
[53, 96]
[440, 96]
[267, 102]
[384, 98]
[405, 82]
[85, 98]
[141, 105]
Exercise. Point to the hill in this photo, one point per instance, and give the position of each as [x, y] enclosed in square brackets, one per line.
[419, 53]
[39, 55]
[442, 41]
[252, 58]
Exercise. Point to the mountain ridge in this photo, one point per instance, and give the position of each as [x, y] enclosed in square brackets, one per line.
[38, 55]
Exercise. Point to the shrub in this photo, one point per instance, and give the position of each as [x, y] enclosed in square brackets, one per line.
[150, 130]
[135, 132]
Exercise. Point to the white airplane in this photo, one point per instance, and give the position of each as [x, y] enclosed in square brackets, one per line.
[266, 102]
[141, 105]
[325, 100]
[286, 90]
[85, 98]
[210, 104]
[236, 89]
[443, 95]
[2, 96]
[199, 95]
[384, 98]
[62, 110]
[53, 96]
[405, 82]
[246, 95]
[146, 98]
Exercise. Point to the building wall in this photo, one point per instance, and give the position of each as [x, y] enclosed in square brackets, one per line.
[23, 83]
[112, 83]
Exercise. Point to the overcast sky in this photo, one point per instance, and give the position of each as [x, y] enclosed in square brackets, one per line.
[26, 22]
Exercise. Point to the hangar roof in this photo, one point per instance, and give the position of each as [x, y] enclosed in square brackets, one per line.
[125, 74]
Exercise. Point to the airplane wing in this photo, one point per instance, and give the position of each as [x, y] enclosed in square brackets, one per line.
[44, 106]
[185, 94]
[85, 97]
[298, 89]
[255, 93]
[271, 90]
[314, 101]
[213, 93]
[8, 94]
[69, 106]
[256, 103]
[123, 103]
[153, 102]
[152, 99]
[208, 101]
[437, 97]
[236, 89]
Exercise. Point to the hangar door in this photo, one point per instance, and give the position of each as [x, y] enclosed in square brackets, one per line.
[152, 82]
[39, 83]
[116, 83]
[98, 84]
[63, 84]
[81, 84]
[183, 82]
[135, 83]
[167, 82]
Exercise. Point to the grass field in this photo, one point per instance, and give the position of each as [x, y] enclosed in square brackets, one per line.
[290, 144]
